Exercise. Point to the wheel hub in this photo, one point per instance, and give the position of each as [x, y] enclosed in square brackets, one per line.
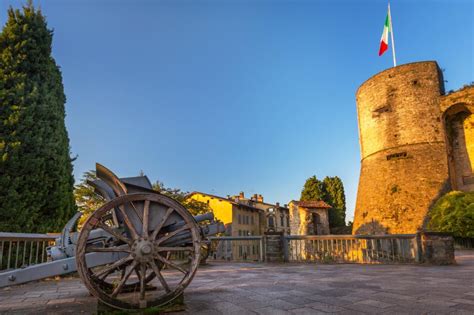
[142, 250]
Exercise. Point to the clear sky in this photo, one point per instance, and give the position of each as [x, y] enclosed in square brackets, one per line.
[227, 96]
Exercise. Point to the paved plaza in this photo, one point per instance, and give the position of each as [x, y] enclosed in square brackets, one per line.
[250, 288]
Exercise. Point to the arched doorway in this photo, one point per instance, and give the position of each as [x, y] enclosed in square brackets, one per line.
[459, 126]
[314, 224]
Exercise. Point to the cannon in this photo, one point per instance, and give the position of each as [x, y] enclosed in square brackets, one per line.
[140, 249]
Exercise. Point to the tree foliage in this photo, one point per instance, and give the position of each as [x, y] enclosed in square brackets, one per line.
[330, 190]
[87, 200]
[36, 182]
[454, 213]
[336, 197]
[194, 206]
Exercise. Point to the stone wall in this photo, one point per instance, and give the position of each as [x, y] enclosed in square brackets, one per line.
[437, 248]
[274, 246]
[297, 220]
[404, 166]
[301, 220]
[458, 110]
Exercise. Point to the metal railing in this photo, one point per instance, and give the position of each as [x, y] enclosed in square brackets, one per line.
[464, 242]
[19, 250]
[352, 248]
[236, 248]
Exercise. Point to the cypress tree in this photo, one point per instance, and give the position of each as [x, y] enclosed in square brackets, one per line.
[336, 197]
[36, 182]
[313, 190]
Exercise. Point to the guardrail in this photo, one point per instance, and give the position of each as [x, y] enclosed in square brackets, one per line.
[351, 248]
[464, 242]
[236, 248]
[23, 249]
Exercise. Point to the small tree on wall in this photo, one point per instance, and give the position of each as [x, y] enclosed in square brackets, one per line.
[36, 182]
[330, 190]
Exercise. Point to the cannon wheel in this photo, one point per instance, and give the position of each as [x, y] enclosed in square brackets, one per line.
[141, 252]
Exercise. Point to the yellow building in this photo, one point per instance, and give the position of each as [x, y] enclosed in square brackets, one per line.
[246, 216]
[240, 219]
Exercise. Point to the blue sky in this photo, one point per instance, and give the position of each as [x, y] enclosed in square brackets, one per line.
[227, 96]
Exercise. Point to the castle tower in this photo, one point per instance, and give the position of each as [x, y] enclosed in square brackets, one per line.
[404, 160]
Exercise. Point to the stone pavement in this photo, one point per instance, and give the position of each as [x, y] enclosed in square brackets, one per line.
[248, 288]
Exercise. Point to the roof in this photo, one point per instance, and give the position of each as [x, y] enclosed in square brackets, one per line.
[315, 204]
[223, 199]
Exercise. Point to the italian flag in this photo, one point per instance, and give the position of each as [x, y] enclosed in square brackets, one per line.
[386, 28]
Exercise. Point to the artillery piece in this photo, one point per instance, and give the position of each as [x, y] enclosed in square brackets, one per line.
[140, 249]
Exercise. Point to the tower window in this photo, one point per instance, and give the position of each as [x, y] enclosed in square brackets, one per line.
[468, 180]
[378, 111]
[397, 156]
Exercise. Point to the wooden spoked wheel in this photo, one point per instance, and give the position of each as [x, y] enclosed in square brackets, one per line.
[153, 254]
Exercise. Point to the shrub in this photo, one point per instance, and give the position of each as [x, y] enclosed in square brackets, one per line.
[454, 213]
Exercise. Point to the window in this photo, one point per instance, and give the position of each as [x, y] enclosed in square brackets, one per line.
[397, 156]
[240, 232]
[287, 220]
[468, 180]
[271, 222]
[239, 219]
[251, 220]
[281, 221]
[383, 109]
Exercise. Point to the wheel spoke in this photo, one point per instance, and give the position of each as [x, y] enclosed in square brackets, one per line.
[129, 224]
[142, 281]
[146, 212]
[107, 270]
[136, 210]
[169, 263]
[160, 277]
[171, 234]
[124, 279]
[163, 220]
[114, 233]
[175, 249]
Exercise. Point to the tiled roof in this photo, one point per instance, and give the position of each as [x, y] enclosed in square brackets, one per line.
[319, 204]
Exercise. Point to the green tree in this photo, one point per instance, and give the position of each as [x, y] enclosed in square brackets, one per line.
[336, 197]
[36, 182]
[194, 206]
[331, 191]
[87, 199]
[313, 189]
[454, 213]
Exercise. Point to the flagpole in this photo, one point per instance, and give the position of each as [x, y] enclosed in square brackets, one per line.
[391, 34]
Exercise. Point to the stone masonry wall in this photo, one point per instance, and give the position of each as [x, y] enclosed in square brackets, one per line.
[404, 166]
[458, 112]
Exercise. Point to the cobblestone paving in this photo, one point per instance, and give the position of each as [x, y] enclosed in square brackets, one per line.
[246, 288]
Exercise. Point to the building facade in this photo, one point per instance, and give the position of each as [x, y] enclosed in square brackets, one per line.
[309, 217]
[240, 219]
[416, 144]
[246, 216]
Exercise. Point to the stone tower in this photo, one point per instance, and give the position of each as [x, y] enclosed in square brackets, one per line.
[407, 157]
